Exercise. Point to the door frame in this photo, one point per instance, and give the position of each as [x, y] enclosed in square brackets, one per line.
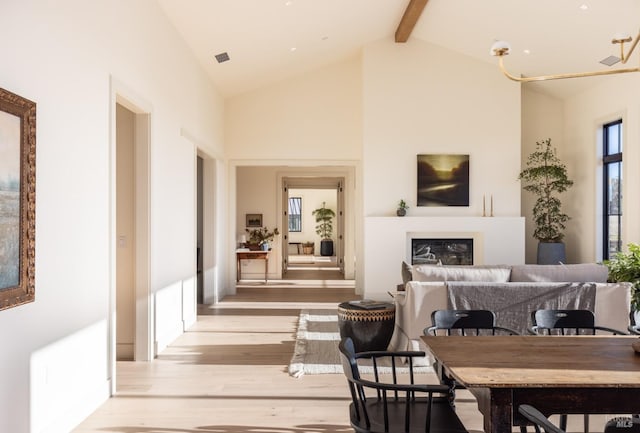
[352, 172]
[143, 342]
[314, 183]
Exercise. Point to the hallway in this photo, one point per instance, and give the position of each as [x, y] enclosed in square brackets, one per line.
[228, 373]
[308, 267]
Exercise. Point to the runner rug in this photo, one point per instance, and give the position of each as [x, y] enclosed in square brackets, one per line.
[316, 348]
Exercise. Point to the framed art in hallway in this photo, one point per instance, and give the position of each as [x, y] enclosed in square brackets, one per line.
[17, 199]
[443, 180]
[254, 220]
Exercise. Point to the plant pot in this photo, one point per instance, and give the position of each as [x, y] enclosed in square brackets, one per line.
[551, 253]
[253, 247]
[635, 317]
[401, 212]
[326, 247]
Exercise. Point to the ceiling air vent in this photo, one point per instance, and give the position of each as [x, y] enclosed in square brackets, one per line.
[222, 57]
[610, 61]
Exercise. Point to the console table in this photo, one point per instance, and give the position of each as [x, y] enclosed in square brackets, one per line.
[251, 255]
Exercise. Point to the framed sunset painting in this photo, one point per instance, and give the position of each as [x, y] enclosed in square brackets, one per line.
[443, 180]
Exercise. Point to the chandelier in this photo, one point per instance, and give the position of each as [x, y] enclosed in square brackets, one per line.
[502, 48]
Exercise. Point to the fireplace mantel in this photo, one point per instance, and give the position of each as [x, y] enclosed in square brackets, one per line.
[497, 240]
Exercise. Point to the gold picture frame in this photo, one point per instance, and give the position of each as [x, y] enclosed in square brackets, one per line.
[17, 199]
[253, 220]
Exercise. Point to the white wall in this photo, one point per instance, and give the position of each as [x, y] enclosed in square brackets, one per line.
[256, 190]
[55, 351]
[542, 118]
[423, 99]
[584, 114]
[315, 116]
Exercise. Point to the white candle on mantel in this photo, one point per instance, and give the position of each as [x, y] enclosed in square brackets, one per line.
[484, 206]
[491, 204]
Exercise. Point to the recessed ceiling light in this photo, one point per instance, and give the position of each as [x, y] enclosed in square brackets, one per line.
[527, 51]
[584, 7]
[292, 49]
[288, 3]
[324, 38]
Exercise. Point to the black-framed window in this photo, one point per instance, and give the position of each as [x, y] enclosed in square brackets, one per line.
[295, 214]
[612, 188]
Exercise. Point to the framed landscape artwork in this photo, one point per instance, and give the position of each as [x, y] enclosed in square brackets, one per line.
[443, 180]
[17, 199]
[254, 220]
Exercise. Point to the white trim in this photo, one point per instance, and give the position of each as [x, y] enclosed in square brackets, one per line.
[121, 94]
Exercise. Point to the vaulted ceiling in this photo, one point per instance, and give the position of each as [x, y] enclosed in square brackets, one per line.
[271, 40]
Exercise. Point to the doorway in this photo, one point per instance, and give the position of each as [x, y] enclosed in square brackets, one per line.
[199, 231]
[254, 193]
[206, 227]
[305, 254]
[130, 307]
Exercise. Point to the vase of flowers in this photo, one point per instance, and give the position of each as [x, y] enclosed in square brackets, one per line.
[260, 238]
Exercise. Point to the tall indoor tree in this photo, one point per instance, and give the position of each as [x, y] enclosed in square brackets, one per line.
[545, 176]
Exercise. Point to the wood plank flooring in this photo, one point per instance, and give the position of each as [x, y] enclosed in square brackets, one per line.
[228, 374]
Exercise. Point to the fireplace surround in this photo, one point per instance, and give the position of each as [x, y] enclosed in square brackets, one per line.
[496, 241]
[444, 251]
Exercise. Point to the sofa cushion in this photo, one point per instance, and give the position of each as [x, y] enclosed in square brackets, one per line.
[577, 273]
[407, 272]
[492, 274]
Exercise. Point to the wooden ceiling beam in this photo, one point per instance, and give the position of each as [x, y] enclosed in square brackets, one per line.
[409, 19]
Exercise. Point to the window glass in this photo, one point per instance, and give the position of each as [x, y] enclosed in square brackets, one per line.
[295, 214]
[612, 200]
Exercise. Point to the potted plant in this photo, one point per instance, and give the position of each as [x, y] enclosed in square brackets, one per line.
[402, 208]
[625, 267]
[546, 177]
[261, 238]
[324, 228]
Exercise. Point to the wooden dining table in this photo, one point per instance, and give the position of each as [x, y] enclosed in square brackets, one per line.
[555, 374]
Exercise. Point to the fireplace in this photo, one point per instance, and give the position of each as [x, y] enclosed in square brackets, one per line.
[445, 251]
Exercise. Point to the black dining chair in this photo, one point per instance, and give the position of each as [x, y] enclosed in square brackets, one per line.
[539, 421]
[379, 406]
[465, 323]
[568, 322]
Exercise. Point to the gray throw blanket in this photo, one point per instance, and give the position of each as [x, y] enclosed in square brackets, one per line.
[513, 303]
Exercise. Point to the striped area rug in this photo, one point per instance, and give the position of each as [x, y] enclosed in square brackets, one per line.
[316, 348]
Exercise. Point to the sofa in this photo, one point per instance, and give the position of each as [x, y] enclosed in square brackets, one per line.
[512, 292]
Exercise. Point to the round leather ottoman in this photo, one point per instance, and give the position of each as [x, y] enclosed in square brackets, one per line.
[370, 325]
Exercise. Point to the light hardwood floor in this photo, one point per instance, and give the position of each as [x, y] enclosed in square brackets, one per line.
[228, 374]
